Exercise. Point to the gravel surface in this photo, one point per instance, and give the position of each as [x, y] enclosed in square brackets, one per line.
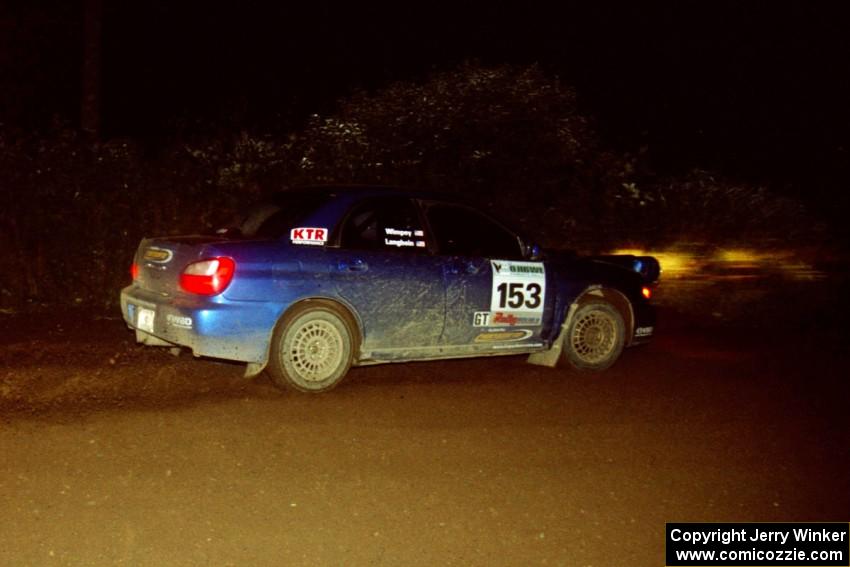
[115, 454]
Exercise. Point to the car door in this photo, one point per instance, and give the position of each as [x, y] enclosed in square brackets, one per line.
[384, 270]
[495, 299]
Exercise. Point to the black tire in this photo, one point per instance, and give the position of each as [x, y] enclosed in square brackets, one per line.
[595, 337]
[312, 347]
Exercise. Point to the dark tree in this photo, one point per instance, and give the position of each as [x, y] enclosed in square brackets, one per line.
[90, 118]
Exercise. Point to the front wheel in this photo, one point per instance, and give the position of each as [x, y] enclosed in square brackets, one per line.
[312, 348]
[595, 337]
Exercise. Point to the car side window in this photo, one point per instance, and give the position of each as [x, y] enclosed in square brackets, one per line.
[463, 232]
[384, 224]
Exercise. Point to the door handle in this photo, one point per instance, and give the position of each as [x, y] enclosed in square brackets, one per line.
[356, 265]
[467, 267]
[471, 267]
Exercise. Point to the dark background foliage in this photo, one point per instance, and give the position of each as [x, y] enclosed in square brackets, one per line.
[508, 138]
[590, 125]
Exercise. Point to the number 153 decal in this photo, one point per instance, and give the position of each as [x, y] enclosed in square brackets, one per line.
[518, 286]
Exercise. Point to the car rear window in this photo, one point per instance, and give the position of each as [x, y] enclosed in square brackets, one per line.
[273, 218]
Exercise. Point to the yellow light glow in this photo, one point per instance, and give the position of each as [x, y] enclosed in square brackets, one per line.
[672, 263]
[727, 263]
[744, 258]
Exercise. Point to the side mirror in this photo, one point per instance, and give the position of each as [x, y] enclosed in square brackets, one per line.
[533, 252]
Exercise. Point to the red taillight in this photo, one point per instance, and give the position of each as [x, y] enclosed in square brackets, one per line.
[208, 277]
[646, 292]
[134, 271]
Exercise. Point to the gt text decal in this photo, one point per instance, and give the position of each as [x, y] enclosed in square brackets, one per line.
[519, 289]
[314, 236]
[481, 319]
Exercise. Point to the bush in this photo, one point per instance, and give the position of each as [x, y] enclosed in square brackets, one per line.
[508, 138]
[705, 207]
[64, 212]
[72, 213]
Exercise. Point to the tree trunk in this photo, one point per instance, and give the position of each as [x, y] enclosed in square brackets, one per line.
[90, 104]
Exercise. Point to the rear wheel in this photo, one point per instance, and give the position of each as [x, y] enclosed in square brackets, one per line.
[595, 337]
[312, 348]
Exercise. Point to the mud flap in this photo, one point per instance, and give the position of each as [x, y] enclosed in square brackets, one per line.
[551, 357]
[253, 369]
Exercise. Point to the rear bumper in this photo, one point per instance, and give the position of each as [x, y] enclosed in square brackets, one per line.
[214, 327]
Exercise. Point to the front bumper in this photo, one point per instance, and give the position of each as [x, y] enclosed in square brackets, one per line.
[214, 327]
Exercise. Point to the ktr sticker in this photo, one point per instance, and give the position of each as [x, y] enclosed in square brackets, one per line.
[312, 236]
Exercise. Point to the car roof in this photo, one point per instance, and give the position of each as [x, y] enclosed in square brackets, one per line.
[337, 199]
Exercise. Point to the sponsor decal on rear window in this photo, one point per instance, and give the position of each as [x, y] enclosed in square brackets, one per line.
[309, 235]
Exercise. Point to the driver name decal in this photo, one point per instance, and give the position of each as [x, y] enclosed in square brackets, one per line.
[403, 238]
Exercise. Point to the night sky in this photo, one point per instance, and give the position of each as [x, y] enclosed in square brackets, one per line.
[757, 91]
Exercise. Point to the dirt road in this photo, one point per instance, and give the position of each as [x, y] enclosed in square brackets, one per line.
[115, 455]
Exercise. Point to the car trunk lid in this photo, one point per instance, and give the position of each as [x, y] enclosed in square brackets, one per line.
[160, 261]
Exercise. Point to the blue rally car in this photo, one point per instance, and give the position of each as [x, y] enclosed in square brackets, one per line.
[318, 279]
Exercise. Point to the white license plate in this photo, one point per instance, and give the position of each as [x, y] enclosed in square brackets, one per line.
[144, 319]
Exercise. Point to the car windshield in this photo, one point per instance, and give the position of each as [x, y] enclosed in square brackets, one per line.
[274, 217]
